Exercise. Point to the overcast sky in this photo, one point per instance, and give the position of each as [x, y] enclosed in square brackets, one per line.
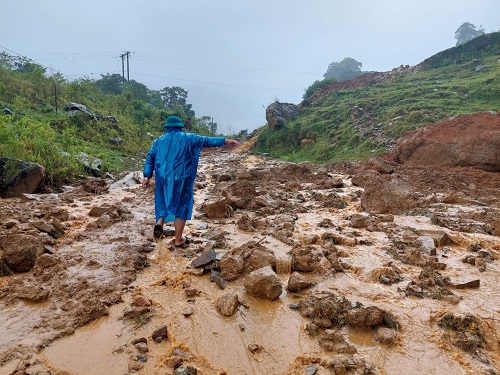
[234, 57]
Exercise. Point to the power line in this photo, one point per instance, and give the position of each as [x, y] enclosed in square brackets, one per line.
[216, 83]
[27, 58]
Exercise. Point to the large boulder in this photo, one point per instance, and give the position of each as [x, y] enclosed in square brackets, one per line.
[278, 113]
[466, 141]
[18, 253]
[18, 177]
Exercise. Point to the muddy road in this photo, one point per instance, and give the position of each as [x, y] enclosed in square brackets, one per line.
[294, 269]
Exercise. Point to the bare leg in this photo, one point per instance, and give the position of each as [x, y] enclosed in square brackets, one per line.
[160, 221]
[179, 225]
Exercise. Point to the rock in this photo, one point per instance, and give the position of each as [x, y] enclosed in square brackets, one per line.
[263, 283]
[254, 348]
[19, 177]
[277, 114]
[228, 304]
[216, 208]
[160, 334]
[33, 293]
[219, 281]
[385, 336]
[92, 164]
[311, 370]
[496, 230]
[232, 266]
[362, 220]
[245, 224]
[466, 141]
[73, 108]
[115, 141]
[131, 179]
[204, 259]
[467, 284]
[140, 300]
[185, 370]
[389, 194]
[133, 312]
[18, 252]
[369, 316]
[426, 245]
[191, 292]
[10, 223]
[142, 347]
[297, 282]
[380, 165]
[239, 194]
[246, 258]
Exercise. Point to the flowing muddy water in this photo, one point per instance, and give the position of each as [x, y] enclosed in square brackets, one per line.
[263, 336]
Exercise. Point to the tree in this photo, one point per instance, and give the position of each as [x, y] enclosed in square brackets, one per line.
[173, 96]
[466, 32]
[111, 83]
[344, 70]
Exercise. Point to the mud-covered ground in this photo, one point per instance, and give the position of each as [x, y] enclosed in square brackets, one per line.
[369, 268]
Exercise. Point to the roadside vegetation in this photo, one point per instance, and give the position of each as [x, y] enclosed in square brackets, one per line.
[119, 121]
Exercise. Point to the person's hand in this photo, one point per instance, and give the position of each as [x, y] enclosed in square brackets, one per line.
[145, 183]
[232, 142]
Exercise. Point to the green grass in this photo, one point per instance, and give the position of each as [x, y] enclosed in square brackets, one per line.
[438, 91]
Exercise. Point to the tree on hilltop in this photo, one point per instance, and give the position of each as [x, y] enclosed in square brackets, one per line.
[466, 32]
[344, 70]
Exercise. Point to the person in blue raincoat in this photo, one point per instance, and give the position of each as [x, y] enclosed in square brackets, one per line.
[173, 158]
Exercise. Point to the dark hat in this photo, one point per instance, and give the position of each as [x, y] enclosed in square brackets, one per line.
[173, 122]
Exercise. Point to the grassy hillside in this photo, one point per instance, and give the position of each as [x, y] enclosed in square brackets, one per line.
[353, 123]
[34, 126]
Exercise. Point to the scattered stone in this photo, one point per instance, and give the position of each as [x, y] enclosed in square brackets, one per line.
[202, 226]
[264, 283]
[467, 284]
[160, 334]
[385, 336]
[142, 347]
[311, 370]
[426, 245]
[219, 281]
[187, 311]
[168, 231]
[140, 300]
[297, 282]
[385, 280]
[185, 370]
[228, 304]
[463, 331]
[191, 292]
[136, 311]
[369, 316]
[204, 259]
[254, 348]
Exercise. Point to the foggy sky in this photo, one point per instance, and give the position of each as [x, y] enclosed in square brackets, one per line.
[234, 57]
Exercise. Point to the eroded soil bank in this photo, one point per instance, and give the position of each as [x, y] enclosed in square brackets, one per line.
[409, 288]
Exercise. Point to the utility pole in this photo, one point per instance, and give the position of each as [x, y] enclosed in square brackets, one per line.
[128, 71]
[127, 54]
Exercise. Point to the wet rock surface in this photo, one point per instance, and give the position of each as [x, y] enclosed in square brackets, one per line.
[293, 269]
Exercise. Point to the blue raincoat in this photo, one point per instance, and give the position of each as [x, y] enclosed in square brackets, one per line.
[173, 158]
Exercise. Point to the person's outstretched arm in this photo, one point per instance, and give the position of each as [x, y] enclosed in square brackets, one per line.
[232, 142]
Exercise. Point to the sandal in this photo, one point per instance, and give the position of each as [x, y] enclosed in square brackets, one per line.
[185, 244]
[158, 231]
